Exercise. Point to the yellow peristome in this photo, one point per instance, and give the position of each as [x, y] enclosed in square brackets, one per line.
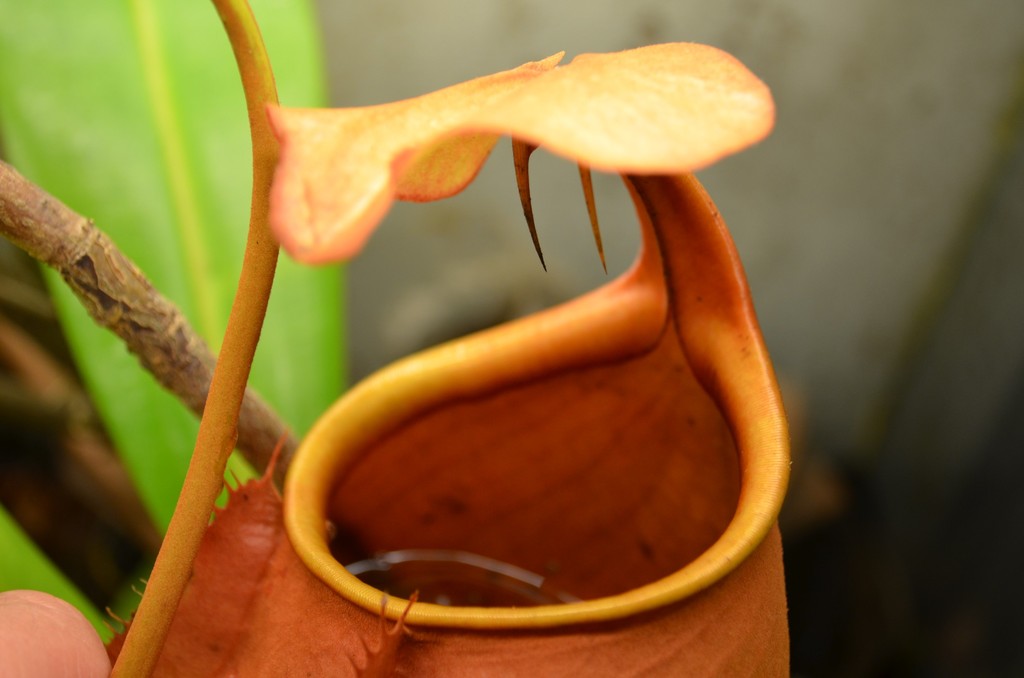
[700, 341]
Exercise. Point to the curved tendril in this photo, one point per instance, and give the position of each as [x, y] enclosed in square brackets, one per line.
[218, 427]
[521, 152]
[588, 195]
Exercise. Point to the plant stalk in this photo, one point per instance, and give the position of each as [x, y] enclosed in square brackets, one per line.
[118, 296]
[218, 427]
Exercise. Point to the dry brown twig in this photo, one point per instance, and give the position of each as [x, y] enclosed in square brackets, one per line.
[120, 298]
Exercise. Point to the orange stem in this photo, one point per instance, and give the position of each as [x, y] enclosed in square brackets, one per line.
[218, 428]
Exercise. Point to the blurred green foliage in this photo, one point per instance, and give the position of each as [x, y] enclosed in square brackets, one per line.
[132, 113]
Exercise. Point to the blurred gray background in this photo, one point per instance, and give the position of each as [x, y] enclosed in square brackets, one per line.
[882, 229]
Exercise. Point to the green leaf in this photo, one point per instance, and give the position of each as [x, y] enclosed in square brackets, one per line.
[132, 113]
[24, 566]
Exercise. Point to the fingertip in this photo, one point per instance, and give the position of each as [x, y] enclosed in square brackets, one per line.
[41, 635]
